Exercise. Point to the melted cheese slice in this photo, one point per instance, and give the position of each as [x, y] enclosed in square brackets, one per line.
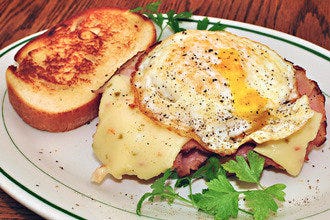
[128, 142]
[290, 152]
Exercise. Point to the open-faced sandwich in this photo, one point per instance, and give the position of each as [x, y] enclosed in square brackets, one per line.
[200, 93]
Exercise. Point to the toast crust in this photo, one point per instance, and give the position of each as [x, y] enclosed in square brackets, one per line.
[53, 122]
[52, 86]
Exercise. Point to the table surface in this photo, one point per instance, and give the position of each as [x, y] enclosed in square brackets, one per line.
[307, 19]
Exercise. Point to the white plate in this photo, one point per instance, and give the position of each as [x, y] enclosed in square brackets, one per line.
[50, 172]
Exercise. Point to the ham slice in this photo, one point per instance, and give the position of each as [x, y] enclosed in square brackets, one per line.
[310, 88]
[190, 158]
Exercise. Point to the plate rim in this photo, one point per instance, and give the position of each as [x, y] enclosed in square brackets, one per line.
[8, 182]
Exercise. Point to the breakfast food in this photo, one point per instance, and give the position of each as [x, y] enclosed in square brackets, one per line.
[52, 87]
[214, 92]
[192, 155]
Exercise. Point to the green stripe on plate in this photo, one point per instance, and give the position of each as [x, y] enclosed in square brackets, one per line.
[13, 180]
[317, 53]
[29, 191]
[37, 196]
[15, 45]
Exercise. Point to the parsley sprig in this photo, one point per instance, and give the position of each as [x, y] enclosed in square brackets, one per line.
[205, 22]
[220, 199]
[173, 19]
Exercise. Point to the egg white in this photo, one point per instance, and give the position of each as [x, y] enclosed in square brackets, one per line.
[219, 89]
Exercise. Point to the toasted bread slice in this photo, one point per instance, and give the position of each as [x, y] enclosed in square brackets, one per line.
[52, 87]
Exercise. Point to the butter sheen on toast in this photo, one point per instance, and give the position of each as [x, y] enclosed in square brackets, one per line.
[52, 87]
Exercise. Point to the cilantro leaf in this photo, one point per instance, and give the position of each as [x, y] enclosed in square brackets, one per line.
[181, 181]
[243, 171]
[220, 200]
[202, 24]
[261, 202]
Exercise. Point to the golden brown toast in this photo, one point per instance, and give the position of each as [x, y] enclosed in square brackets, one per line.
[52, 87]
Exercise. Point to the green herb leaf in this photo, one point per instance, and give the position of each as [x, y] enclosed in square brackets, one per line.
[261, 202]
[220, 205]
[153, 6]
[174, 19]
[149, 8]
[256, 163]
[140, 202]
[159, 185]
[243, 171]
[211, 170]
[276, 191]
[203, 24]
[183, 15]
[220, 200]
[158, 18]
[173, 23]
[137, 9]
[151, 11]
[183, 182]
[196, 197]
[159, 189]
[220, 184]
[217, 27]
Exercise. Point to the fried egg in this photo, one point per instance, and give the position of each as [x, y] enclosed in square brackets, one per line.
[220, 89]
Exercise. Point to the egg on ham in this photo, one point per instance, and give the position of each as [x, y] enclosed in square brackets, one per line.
[217, 88]
[220, 89]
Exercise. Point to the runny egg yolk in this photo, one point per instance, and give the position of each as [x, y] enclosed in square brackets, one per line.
[248, 104]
